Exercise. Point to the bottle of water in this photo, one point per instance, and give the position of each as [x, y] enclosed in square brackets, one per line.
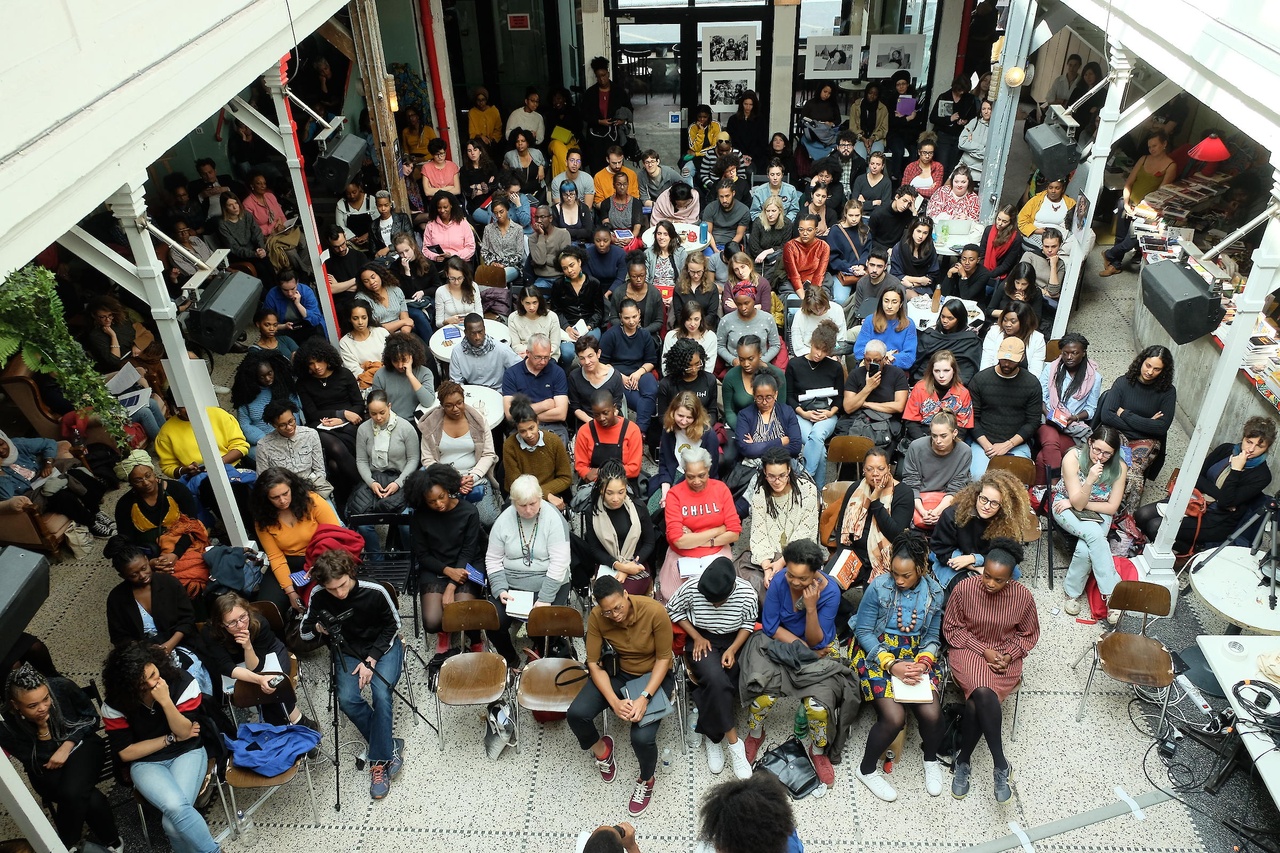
[666, 758]
[248, 833]
[693, 720]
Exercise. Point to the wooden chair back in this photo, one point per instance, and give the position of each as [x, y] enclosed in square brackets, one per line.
[1052, 349]
[1150, 599]
[832, 501]
[1135, 659]
[1022, 468]
[476, 615]
[848, 450]
[555, 622]
[491, 275]
[271, 615]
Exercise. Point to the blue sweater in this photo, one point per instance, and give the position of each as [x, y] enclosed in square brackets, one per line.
[749, 417]
[277, 302]
[610, 269]
[628, 353]
[250, 416]
[904, 342]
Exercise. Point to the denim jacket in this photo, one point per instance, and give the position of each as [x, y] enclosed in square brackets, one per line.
[879, 610]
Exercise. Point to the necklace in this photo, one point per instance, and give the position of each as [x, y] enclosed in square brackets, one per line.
[526, 548]
[907, 629]
[1054, 206]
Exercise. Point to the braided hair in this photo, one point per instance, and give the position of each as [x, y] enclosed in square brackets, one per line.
[911, 545]
[611, 470]
[777, 456]
[22, 680]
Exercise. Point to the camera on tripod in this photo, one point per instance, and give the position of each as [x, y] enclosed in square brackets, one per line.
[332, 623]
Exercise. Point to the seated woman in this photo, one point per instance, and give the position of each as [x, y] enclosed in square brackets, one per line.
[1232, 478]
[632, 352]
[418, 276]
[690, 323]
[286, 513]
[607, 436]
[532, 317]
[701, 520]
[447, 538]
[457, 435]
[935, 467]
[926, 173]
[850, 242]
[447, 232]
[1017, 320]
[766, 423]
[1047, 209]
[528, 551]
[362, 347]
[770, 231]
[738, 385]
[578, 300]
[685, 424]
[387, 452]
[537, 452]
[591, 375]
[386, 226]
[269, 339]
[695, 284]
[24, 460]
[639, 631]
[404, 376]
[152, 505]
[784, 508]
[992, 506]
[240, 233]
[1050, 268]
[525, 160]
[648, 298]
[149, 712]
[958, 197]
[331, 398]
[460, 295]
[112, 338]
[378, 288]
[813, 392]
[950, 332]
[50, 726]
[748, 319]
[619, 532]
[802, 610]
[622, 212]
[914, 261]
[439, 172]
[873, 516]
[939, 391]
[743, 270]
[890, 324]
[899, 633]
[1141, 405]
[154, 607]
[1019, 286]
[180, 456]
[1084, 501]
[990, 625]
[572, 215]
[718, 613]
[664, 260]
[240, 643]
[816, 307]
[1072, 385]
[684, 370]
[503, 243]
[260, 380]
[1001, 244]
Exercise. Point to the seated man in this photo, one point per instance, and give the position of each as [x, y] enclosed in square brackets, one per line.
[806, 259]
[877, 280]
[718, 612]
[803, 611]
[1006, 408]
[532, 450]
[573, 174]
[748, 816]
[710, 158]
[604, 178]
[875, 396]
[544, 383]
[545, 245]
[776, 186]
[480, 360]
[654, 177]
[369, 642]
[968, 278]
[344, 262]
[889, 221]
[729, 168]
[24, 460]
[295, 306]
[607, 436]
[936, 466]
[728, 220]
[631, 351]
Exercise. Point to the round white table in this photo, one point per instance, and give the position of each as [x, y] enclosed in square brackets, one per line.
[959, 233]
[1229, 585]
[484, 400]
[921, 314]
[689, 240]
[442, 348]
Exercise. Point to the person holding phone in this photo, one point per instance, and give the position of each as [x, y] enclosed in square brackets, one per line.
[1084, 501]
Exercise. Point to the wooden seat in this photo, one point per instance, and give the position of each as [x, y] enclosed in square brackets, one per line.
[1135, 658]
[1019, 466]
[536, 689]
[240, 778]
[1052, 349]
[470, 678]
[491, 275]
[848, 450]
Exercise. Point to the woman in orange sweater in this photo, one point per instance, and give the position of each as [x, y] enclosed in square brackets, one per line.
[286, 513]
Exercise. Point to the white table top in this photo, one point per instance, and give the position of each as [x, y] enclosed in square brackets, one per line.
[683, 229]
[1229, 670]
[443, 350]
[921, 314]
[1229, 586]
[959, 232]
[483, 399]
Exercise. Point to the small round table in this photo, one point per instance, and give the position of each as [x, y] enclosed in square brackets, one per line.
[920, 311]
[484, 400]
[1231, 586]
[684, 229]
[442, 348]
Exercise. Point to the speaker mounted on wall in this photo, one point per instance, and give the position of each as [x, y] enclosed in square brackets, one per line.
[1180, 300]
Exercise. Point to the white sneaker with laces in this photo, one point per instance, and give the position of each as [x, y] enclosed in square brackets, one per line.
[715, 755]
[878, 785]
[738, 759]
[1071, 606]
[933, 778]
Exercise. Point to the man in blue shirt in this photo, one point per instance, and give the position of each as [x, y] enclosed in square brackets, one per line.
[540, 379]
[295, 306]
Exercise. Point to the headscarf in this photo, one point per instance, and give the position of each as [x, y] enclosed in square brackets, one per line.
[745, 287]
[12, 455]
[135, 459]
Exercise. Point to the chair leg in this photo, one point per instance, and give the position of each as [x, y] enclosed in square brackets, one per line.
[1087, 685]
[235, 811]
[439, 724]
[311, 789]
[226, 811]
[142, 819]
[679, 699]
[1164, 712]
[1017, 705]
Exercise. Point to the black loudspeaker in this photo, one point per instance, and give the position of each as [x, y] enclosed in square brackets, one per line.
[24, 586]
[225, 309]
[340, 164]
[1180, 301]
[1051, 153]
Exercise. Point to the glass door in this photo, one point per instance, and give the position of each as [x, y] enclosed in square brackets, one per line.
[647, 62]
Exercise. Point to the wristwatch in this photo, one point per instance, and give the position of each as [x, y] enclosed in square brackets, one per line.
[170, 739]
[646, 695]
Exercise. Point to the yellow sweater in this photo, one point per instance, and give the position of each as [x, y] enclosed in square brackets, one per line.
[279, 541]
[176, 443]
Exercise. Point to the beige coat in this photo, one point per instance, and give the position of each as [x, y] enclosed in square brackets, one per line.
[432, 425]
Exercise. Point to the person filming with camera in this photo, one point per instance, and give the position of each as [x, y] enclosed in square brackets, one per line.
[361, 618]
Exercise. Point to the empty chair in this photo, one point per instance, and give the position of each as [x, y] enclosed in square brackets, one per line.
[542, 687]
[471, 678]
[1135, 658]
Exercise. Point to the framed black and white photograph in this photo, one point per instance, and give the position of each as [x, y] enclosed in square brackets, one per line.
[890, 54]
[721, 89]
[728, 47]
[833, 58]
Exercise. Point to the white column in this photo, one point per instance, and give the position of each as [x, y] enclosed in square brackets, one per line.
[1004, 113]
[786, 21]
[1109, 117]
[26, 812]
[189, 377]
[1157, 557]
[274, 81]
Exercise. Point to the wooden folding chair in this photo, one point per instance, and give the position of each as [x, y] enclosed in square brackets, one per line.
[538, 687]
[470, 678]
[849, 450]
[1135, 659]
[1019, 466]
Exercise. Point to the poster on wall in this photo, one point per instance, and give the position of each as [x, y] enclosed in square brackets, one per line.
[833, 57]
[728, 47]
[893, 53]
[721, 89]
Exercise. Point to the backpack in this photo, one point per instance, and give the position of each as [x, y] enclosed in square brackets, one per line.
[953, 723]
[231, 570]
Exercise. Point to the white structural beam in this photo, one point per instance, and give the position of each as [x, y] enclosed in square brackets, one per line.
[104, 89]
[1004, 114]
[26, 812]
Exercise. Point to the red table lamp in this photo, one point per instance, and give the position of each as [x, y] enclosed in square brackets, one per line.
[1211, 149]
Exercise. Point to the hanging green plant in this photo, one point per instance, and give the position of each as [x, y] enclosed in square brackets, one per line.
[33, 324]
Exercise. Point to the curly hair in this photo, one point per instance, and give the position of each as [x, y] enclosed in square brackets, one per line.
[385, 276]
[244, 385]
[264, 511]
[701, 421]
[680, 355]
[1165, 380]
[751, 815]
[124, 668]
[1014, 504]
[315, 348]
[400, 344]
[422, 481]
[1261, 428]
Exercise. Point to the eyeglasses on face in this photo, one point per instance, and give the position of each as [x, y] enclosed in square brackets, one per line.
[986, 501]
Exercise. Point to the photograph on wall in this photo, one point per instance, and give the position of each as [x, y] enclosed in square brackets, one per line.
[722, 89]
[893, 53]
[833, 57]
[728, 47]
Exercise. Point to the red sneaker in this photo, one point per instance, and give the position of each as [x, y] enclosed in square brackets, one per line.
[608, 769]
[640, 797]
[822, 764]
[753, 744]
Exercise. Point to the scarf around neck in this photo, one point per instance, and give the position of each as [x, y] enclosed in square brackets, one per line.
[608, 534]
[857, 517]
[993, 252]
[477, 352]
[382, 442]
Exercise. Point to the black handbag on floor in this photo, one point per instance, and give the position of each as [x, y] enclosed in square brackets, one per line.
[790, 762]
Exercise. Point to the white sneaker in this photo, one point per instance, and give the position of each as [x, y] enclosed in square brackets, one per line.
[1071, 606]
[738, 759]
[715, 755]
[933, 778]
[878, 785]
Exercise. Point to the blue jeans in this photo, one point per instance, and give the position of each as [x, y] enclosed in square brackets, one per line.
[567, 352]
[945, 573]
[1092, 554]
[171, 786]
[840, 292]
[814, 438]
[150, 417]
[643, 400]
[860, 148]
[978, 464]
[544, 284]
[374, 723]
[421, 323]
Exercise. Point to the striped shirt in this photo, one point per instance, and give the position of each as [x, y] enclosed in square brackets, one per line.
[976, 620]
[739, 611]
[125, 728]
